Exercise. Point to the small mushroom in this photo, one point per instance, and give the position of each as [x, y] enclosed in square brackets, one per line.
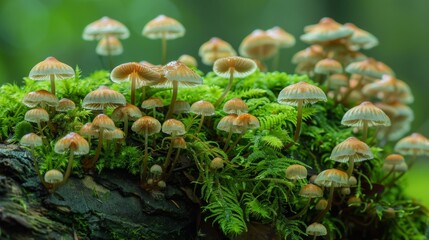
[174, 128]
[102, 98]
[203, 108]
[126, 113]
[215, 49]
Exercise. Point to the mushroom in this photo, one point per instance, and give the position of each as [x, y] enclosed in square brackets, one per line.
[109, 46]
[174, 128]
[360, 38]
[65, 105]
[102, 98]
[390, 90]
[51, 69]
[300, 94]
[227, 124]
[242, 123]
[215, 49]
[258, 45]
[351, 150]
[324, 31]
[203, 108]
[100, 124]
[284, 40]
[188, 60]
[328, 67]
[164, 28]
[216, 163]
[33, 140]
[295, 172]
[179, 143]
[146, 126]
[126, 113]
[139, 75]
[235, 106]
[393, 163]
[53, 177]
[152, 103]
[74, 144]
[181, 107]
[316, 229]
[232, 67]
[40, 97]
[365, 115]
[414, 145]
[311, 192]
[37, 115]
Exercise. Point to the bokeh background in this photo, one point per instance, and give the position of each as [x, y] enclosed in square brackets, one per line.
[31, 30]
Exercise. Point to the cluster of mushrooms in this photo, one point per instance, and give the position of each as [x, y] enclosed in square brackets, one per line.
[333, 59]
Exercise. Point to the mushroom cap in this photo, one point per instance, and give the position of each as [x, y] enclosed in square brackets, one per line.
[360, 38]
[103, 97]
[155, 169]
[296, 171]
[235, 106]
[283, 38]
[36, 115]
[227, 124]
[103, 121]
[113, 134]
[316, 229]
[31, 140]
[51, 66]
[152, 102]
[177, 71]
[369, 67]
[246, 121]
[147, 125]
[401, 167]
[415, 144]
[326, 30]
[351, 148]
[72, 141]
[338, 80]
[109, 46]
[332, 178]
[211, 57]
[216, 46]
[310, 191]
[203, 107]
[328, 66]
[312, 54]
[258, 45]
[179, 142]
[390, 89]
[105, 26]
[181, 107]
[163, 26]
[40, 97]
[65, 105]
[301, 91]
[238, 66]
[125, 113]
[87, 131]
[53, 176]
[394, 159]
[142, 74]
[173, 127]
[365, 112]
[216, 163]
[188, 60]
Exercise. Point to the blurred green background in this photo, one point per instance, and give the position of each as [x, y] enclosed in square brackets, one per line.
[31, 30]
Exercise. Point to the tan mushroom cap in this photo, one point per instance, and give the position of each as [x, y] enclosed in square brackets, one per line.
[390, 89]
[173, 127]
[143, 75]
[415, 144]
[246, 121]
[87, 131]
[369, 67]
[316, 229]
[188, 60]
[366, 112]
[203, 107]
[51, 66]
[109, 46]
[360, 38]
[351, 148]
[72, 141]
[328, 66]
[152, 102]
[102, 98]
[283, 38]
[102, 121]
[238, 66]
[31, 140]
[179, 142]
[310, 191]
[216, 46]
[394, 159]
[181, 107]
[312, 54]
[211, 57]
[36, 115]
[105, 26]
[226, 124]
[146, 125]
[301, 91]
[258, 45]
[40, 97]
[113, 134]
[163, 27]
[65, 105]
[125, 113]
[177, 71]
[53, 176]
[332, 178]
[296, 171]
[216, 163]
[326, 30]
[401, 167]
[338, 80]
[235, 106]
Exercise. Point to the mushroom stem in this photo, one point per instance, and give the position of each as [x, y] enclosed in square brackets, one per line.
[364, 131]
[98, 150]
[201, 123]
[307, 205]
[143, 168]
[170, 149]
[125, 126]
[330, 198]
[351, 166]
[276, 59]
[298, 121]
[227, 140]
[164, 49]
[44, 139]
[228, 87]
[133, 91]
[235, 142]
[36, 166]
[109, 55]
[173, 100]
[69, 167]
[388, 174]
[52, 78]
[173, 164]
